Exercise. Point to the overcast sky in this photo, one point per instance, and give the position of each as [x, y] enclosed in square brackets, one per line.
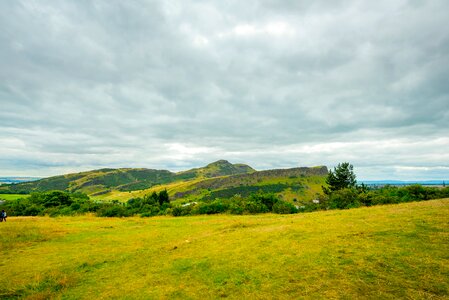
[179, 84]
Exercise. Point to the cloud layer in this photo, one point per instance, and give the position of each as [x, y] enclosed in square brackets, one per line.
[177, 84]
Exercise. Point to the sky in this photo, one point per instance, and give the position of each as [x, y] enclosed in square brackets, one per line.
[179, 84]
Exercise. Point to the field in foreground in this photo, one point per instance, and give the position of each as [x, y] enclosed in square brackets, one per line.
[388, 252]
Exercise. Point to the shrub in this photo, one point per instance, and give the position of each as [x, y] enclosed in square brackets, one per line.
[214, 207]
[65, 211]
[236, 209]
[417, 192]
[114, 210]
[53, 198]
[266, 199]
[344, 198]
[75, 206]
[33, 210]
[253, 207]
[182, 210]
[283, 207]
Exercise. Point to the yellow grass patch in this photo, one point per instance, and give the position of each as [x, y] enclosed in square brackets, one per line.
[387, 252]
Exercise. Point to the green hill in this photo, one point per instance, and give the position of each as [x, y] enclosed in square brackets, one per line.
[124, 179]
[218, 168]
[96, 181]
[287, 183]
[220, 179]
[293, 185]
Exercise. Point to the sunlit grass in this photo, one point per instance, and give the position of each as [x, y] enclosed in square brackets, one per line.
[387, 252]
[171, 188]
[312, 187]
[12, 196]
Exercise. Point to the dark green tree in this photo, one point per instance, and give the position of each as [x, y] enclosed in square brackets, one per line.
[163, 197]
[342, 177]
[151, 199]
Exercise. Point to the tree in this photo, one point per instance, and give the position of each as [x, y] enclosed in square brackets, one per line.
[163, 197]
[342, 177]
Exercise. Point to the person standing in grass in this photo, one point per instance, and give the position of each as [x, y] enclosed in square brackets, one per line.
[3, 216]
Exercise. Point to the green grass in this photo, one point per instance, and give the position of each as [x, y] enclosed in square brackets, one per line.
[13, 196]
[382, 252]
[311, 186]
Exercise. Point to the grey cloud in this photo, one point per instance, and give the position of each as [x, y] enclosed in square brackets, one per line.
[86, 84]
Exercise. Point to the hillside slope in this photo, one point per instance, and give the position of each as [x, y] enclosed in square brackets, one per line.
[215, 169]
[102, 181]
[293, 185]
[97, 181]
[220, 179]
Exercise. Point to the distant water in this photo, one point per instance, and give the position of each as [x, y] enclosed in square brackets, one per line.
[409, 182]
[9, 180]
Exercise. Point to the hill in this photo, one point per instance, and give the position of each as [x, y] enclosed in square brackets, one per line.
[289, 184]
[95, 181]
[220, 179]
[295, 181]
[216, 169]
[123, 179]
[382, 252]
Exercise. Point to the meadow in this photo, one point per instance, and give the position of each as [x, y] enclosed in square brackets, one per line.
[387, 252]
[12, 196]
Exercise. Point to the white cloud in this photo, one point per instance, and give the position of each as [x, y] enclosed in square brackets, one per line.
[272, 28]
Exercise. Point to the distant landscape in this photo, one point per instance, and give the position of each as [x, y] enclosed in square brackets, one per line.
[224, 230]
[218, 179]
[403, 183]
[308, 232]
[16, 179]
[219, 187]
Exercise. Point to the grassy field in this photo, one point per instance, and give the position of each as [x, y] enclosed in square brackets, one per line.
[382, 252]
[12, 196]
[312, 186]
[125, 196]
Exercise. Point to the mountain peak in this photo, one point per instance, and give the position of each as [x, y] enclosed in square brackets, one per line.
[220, 167]
[221, 162]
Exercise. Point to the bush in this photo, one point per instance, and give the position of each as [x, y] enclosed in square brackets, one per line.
[236, 209]
[266, 199]
[114, 210]
[344, 198]
[214, 207]
[443, 193]
[417, 192]
[282, 207]
[32, 210]
[66, 211]
[75, 206]
[52, 198]
[253, 207]
[182, 210]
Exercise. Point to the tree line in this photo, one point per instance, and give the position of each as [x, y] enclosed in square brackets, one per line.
[59, 203]
[340, 192]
